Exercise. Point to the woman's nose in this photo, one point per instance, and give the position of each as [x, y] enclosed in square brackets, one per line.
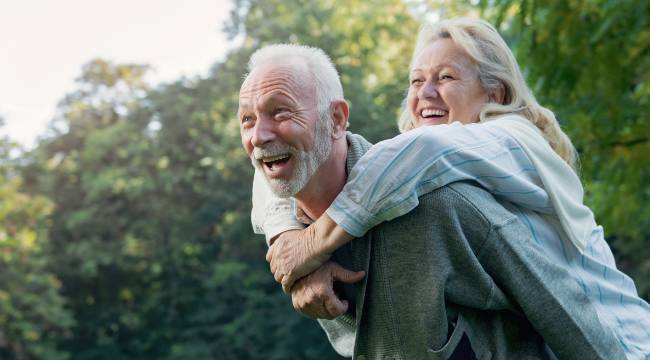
[428, 90]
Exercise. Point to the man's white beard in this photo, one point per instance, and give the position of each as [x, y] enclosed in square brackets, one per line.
[306, 162]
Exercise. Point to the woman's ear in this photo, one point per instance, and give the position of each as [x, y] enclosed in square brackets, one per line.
[340, 113]
[498, 94]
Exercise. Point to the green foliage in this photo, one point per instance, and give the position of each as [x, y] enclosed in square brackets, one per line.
[126, 233]
[33, 317]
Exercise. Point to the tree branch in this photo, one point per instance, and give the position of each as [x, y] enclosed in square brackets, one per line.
[629, 143]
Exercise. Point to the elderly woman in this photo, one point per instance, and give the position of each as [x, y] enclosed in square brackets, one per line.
[489, 129]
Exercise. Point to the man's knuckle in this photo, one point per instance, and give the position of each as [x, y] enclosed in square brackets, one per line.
[311, 298]
[321, 291]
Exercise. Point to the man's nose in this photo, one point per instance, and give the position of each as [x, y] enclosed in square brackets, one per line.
[262, 132]
[428, 90]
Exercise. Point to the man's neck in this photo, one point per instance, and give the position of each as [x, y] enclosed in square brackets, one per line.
[326, 183]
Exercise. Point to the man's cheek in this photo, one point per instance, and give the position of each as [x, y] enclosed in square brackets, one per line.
[246, 144]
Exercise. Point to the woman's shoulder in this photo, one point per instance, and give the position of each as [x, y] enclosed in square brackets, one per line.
[513, 121]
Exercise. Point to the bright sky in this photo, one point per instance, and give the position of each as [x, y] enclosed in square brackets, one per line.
[44, 43]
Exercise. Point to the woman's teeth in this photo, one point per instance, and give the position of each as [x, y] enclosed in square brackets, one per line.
[432, 112]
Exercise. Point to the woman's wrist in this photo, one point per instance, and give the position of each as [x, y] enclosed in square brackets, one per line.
[329, 235]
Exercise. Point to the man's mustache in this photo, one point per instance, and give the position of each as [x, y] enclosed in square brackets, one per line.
[272, 149]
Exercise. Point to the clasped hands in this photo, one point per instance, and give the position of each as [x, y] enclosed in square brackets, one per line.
[298, 261]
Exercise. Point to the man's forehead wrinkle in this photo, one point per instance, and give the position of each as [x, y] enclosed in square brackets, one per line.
[266, 83]
[268, 90]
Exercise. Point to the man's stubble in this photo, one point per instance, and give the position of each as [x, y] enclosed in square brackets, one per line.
[307, 162]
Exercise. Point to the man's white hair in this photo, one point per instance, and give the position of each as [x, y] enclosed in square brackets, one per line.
[326, 79]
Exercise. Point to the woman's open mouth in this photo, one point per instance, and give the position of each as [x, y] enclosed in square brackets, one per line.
[429, 113]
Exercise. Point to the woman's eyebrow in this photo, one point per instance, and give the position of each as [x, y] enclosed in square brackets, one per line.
[452, 65]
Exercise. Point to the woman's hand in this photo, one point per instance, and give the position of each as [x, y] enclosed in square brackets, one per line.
[297, 253]
[293, 255]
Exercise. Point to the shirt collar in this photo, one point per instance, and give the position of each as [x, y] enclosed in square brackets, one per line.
[357, 146]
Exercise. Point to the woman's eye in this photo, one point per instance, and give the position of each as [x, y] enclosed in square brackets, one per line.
[246, 118]
[416, 81]
[445, 77]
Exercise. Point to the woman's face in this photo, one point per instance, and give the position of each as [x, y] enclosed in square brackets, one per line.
[445, 86]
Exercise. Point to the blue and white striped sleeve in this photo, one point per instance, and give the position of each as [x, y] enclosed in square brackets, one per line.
[389, 178]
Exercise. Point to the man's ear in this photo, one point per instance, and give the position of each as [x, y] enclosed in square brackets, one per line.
[340, 113]
[498, 94]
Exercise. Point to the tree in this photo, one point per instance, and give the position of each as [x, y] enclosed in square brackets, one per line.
[33, 317]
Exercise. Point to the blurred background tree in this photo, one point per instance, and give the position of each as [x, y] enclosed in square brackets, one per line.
[33, 317]
[126, 233]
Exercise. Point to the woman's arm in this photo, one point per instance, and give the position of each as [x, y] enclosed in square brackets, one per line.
[387, 181]
[297, 253]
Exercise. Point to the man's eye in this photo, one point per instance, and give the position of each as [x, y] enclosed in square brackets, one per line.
[246, 118]
[416, 81]
[445, 77]
[281, 111]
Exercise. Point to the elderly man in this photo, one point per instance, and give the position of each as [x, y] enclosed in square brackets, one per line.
[459, 274]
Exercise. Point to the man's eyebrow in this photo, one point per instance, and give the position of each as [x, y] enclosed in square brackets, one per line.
[243, 104]
[276, 96]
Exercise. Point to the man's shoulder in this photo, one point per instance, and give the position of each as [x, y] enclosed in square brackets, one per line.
[461, 209]
[357, 146]
[466, 199]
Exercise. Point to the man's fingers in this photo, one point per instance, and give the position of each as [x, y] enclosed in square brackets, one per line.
[305, 309]
[334, 306]
[345, 275]
[310, 303]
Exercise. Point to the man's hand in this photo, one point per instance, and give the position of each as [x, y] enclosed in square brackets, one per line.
[297, 253]
[314, 296]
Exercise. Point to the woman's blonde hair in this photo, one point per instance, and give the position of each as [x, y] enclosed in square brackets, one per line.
[498, 69]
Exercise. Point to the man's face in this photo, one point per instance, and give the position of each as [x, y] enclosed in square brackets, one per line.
[280, 126]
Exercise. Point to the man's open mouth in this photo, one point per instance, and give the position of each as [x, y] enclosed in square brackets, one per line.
[274, 162]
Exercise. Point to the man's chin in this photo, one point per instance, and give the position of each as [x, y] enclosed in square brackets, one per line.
[282, 188]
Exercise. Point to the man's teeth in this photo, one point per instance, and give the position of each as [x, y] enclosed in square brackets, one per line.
[275, 158]
[433, 112]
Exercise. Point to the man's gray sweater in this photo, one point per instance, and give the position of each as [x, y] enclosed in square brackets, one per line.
[461, 264]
